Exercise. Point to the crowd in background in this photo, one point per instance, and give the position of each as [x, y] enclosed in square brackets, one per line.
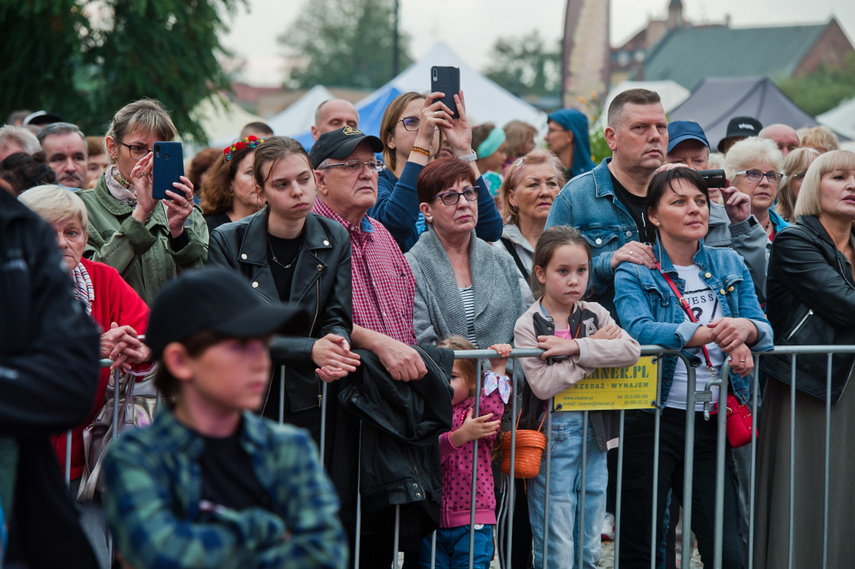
[326, 287]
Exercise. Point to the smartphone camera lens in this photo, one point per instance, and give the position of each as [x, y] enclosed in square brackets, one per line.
[167, 156]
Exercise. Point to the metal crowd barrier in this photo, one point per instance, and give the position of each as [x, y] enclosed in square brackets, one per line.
[693, 396]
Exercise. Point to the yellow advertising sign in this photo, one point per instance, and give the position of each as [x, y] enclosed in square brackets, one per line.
[613, 388]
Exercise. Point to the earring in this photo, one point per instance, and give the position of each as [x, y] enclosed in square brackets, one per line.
[429, 219]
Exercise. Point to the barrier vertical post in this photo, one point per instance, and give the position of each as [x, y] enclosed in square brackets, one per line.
[476, 413]
[546, 485]
[281, 394]
[792, 489]
[827, 469]
[580, 547]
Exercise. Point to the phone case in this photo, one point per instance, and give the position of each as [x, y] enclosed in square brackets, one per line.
[168, 167]
[446, 80]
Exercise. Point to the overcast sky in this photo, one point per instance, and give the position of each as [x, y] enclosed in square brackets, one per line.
[470, 27]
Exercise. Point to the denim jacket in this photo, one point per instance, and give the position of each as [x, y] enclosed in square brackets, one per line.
[589, 204]
[651, 313]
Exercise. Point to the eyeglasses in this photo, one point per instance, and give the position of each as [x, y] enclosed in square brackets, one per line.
[411, 123]
[137, 152]
[757, 175]
[355, 166]
[800, 176]
[451, 198]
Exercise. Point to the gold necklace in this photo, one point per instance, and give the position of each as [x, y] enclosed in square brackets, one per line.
[275, 260]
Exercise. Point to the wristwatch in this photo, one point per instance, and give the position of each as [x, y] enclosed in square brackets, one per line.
[469, 157]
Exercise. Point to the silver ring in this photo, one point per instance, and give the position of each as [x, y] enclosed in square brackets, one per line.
[632, 252]
[436, 113]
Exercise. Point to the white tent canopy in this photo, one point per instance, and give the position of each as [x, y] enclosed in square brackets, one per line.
[841, 119]
[300, 115]
[222, 120]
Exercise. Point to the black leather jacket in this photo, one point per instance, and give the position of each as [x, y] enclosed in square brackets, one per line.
[388, 431]
[811, 300]
[321, 284]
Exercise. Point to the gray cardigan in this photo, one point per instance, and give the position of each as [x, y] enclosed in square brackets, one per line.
[438, 309]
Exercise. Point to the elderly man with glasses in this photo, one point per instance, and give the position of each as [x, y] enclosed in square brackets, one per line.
[395, 447]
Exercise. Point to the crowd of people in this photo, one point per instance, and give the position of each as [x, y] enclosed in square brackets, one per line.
[326, 290]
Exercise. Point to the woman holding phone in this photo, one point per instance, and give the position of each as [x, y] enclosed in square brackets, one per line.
[410, 131]
[143, 238]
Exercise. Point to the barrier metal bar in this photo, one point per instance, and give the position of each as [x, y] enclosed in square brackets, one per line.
[580, 547]
[475, 413]
[688, 461]
[323, 420]
[654, 547]
[397, 536]
[550, 406]
[792, 466]
[68, 457]
[512, 486]
[688, 472]
[827, 466]
[282, 396]
[721, 437]
[755, 405]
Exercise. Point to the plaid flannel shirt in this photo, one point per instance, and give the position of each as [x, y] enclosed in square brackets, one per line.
[152, 502]
[384, 287]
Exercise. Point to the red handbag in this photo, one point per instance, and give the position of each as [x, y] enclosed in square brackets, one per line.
[740, 422]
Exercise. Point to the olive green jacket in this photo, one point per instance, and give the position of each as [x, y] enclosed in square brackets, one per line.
[143, 254]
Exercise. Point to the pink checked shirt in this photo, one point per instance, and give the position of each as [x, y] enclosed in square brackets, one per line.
[383, 284]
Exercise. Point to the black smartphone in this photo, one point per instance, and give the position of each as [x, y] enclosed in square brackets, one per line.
[168, 167]
[714, 178]
[446, 80]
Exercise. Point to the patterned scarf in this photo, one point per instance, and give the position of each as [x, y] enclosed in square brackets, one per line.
[83, 290]
[119, 187]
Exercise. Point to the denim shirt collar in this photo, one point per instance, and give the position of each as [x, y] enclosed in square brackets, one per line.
[701, 258]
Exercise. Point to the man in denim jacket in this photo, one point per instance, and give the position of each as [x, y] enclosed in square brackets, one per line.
[607, 204]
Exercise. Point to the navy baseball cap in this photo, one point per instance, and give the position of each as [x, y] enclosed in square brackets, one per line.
[216, 300]
[680, 131]
[341, 143]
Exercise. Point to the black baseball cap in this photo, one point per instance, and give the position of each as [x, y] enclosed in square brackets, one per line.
[217, 300]
[41, 118]
[341, 143]
[740, 127]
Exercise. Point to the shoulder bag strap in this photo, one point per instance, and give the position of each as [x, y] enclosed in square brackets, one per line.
[509, 245]
[684, 303]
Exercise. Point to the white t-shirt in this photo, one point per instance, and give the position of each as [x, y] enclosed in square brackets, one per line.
[704, 304]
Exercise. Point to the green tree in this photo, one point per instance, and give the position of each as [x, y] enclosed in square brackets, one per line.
[85, 59]
[525, 66]
[343, 43]
[824, 89]
[41, 50]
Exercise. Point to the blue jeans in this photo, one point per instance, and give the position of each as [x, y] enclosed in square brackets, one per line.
[452, 548]
[565, 496]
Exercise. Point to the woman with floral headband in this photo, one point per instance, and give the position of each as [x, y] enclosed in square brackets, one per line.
[228, 194]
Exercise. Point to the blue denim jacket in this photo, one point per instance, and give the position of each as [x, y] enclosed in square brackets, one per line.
[589, 204]
[651, 313]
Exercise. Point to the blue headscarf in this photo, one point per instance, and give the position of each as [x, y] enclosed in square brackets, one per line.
[577, 123]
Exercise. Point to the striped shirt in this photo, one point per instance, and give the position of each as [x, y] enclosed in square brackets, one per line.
[383, 284]
[467, 295]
